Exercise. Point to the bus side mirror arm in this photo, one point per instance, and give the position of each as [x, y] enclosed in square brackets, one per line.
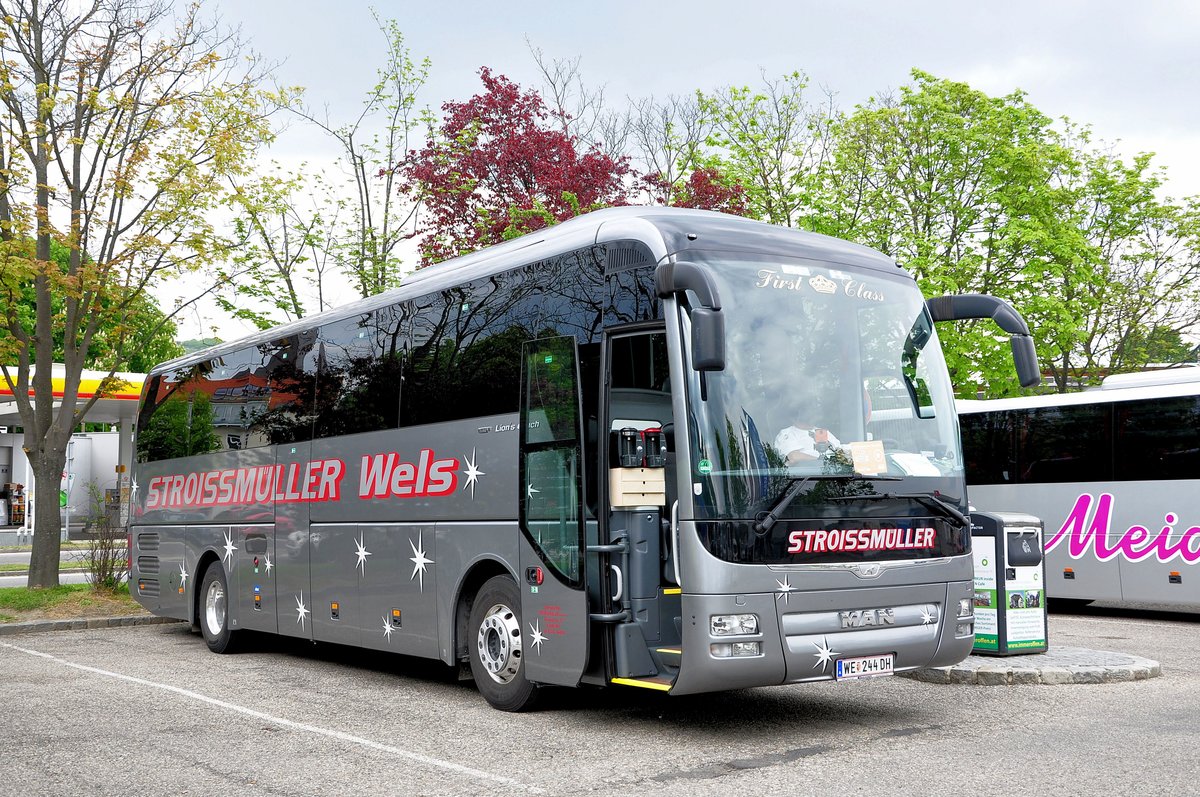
[959, 307]
[708, 322]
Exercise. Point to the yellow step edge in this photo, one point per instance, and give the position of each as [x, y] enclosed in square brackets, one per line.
[643, 684]
[673, 591]
[678, 651]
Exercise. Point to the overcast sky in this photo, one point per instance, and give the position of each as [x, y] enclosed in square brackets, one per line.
[1130, 70]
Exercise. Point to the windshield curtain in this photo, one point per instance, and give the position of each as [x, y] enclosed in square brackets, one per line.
[830, 372]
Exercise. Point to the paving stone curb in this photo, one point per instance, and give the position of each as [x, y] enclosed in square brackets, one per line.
[80, 624]
[1055, 667]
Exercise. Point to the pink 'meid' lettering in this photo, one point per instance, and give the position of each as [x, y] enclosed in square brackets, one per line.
[1096, 532]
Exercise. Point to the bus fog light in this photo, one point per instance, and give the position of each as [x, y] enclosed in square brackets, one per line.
[964, 629]
[734, 624]
[964, 608]
[725, 650]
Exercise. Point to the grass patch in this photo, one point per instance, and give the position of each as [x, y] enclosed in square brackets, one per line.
[65, 602]
[21, 568]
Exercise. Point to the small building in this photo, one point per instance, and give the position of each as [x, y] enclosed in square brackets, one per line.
[97, 459]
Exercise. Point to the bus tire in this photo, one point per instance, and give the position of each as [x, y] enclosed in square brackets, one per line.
[496, 646]
[214, 611]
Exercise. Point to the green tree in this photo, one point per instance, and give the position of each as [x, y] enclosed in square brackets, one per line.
[120, 121]
[363, 232]
[972, 194]
[773, 141]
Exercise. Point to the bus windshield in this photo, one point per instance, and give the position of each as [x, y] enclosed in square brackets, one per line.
[831, 373]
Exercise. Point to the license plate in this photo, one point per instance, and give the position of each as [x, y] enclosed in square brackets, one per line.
[865, 667]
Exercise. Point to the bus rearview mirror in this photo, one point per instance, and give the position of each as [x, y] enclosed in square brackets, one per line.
[1025, 359]
[708, 339]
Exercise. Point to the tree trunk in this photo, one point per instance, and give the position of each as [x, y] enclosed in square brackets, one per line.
[47, 519]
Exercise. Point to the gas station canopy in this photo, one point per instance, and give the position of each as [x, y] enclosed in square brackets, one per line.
[116, 406]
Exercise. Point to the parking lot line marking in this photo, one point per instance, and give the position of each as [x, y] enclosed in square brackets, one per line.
[478, 774]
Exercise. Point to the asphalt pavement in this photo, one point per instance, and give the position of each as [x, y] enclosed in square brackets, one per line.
[150, 710]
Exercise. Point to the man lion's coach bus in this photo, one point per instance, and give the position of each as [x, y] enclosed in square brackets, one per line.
[558, 459]
[1114, 472]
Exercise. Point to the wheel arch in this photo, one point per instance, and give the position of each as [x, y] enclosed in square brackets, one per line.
[202, 564]
[476, 576]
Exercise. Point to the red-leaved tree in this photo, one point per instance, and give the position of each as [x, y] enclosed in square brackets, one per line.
[705, 188]
[497, 166]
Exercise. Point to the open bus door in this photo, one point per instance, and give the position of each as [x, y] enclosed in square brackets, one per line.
[554, 604]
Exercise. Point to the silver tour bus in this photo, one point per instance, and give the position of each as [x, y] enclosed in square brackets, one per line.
[653, 447]
[1112, 471]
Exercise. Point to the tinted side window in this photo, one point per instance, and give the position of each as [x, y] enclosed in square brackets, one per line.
[1158, 439]
[1064, 444]
[176, 419]
[987, 440]
[240, 394]
[291, 379]
[359, 363]
[466, 350]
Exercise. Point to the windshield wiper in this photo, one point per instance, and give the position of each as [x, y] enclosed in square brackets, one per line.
[764, 523]
[924, 499]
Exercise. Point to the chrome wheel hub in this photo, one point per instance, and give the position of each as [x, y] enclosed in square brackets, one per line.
[499, 643]
[214, 608]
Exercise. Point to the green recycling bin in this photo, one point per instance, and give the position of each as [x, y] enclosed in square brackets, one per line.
[1010, 584]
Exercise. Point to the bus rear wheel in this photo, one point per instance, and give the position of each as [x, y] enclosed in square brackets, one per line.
[214, 611]
[497, 647]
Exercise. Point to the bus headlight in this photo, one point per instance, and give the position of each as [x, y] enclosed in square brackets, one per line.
[964, 608]
[734, 624]
[725, 650]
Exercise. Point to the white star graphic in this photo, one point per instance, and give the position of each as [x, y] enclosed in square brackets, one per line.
[229, 549]
[133, 493]
[785, 589]
[301, 610]
[472, 473]
[183, 574]
[530, 491]
[926, 616]
[419, 560]
[362, 553]
[268, 565]
[387, 629]
[538, 637]
[824, 654]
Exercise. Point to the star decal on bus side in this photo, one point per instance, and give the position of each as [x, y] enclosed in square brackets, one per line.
[268, 564]
[472, 473]
[229, 549]
[419, 559]
[362, 553]
[183, 574]
[301, 610]
[537, 637]
[387, 629]
[133, 493]
[824, 654]
[785, 589]
[926, 616]
[530, 491]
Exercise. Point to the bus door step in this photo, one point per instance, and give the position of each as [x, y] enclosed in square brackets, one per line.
[632, 652]
[658, 682]
[670, 656]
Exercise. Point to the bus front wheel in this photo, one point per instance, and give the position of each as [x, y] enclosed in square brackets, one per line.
[214, 610]
[497, 647]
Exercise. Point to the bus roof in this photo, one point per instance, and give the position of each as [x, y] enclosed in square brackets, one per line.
[1140, 386]
[663, 230]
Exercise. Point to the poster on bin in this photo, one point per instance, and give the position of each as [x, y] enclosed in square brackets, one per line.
[986, 621]
[1025, 620]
